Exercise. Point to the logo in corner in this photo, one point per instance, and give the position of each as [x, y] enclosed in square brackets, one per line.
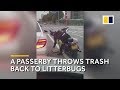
[108, 19]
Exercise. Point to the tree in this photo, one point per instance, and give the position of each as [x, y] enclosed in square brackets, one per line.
[59, 15]
[49, 17]
[53, 16]
[54, 19]
[44, 19]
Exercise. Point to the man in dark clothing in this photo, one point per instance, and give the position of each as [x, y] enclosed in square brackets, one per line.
[57, 36]
[64, 39]
[63, 36]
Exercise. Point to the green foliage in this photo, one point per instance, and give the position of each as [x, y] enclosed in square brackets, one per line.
[53, 17]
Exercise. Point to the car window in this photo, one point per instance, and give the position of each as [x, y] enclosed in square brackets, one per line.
[38, 28]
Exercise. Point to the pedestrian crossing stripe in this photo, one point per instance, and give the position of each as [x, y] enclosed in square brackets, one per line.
[108, 19]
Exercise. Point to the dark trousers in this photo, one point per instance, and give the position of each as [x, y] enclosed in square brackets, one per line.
[55, 42]
[61, 48]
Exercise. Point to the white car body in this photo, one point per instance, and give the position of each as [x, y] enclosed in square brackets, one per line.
[41, 35]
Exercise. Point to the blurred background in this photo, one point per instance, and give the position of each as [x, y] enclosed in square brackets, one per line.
[57, 20]
[17, 36]
[102, 41]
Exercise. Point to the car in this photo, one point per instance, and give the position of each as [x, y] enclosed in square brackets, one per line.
[41, 43]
